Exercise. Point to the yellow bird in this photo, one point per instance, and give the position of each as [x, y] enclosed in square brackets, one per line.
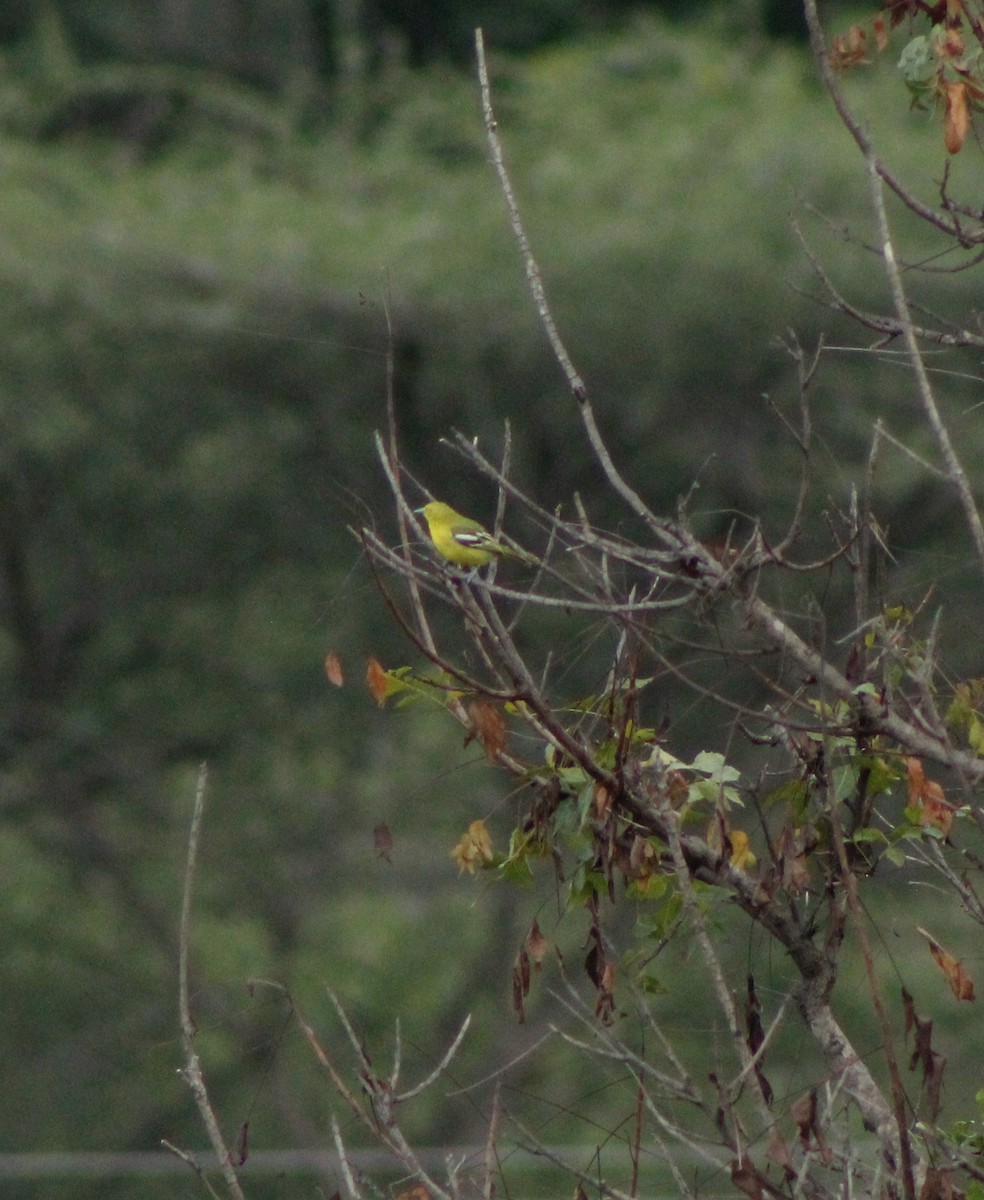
[463, 541]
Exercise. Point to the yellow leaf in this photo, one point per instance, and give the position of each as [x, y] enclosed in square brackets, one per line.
[741, 852]
[474, 848]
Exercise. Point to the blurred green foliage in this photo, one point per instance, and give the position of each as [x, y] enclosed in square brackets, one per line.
[193, 364]
[279, 43]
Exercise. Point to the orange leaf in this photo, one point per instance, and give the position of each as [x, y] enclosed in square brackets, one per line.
[956, 116]
[917, 779]
[881, 34]
[602, 799]
[927, 795]
[935, 810]
[960, 982]
[333, 669]
[849, 49]
[376, 681]
[489, 726]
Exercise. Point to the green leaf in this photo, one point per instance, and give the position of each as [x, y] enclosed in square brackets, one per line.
[868, 835]
[657, 923]
[882, 775]
[587, 883]
[650, 983]
[794, 793]
[895, 855]
[653, 887]
[710, 763]
[517, 871]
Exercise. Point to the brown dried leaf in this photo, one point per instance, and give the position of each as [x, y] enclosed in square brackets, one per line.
[520, 984]
[242, 1146]
[382, 841]
[929, 797]
[779, 1153]
[602, 801]
[804, 1113]
[746, 1178]
[849, 49]
[881, 34]
[677, 788]
[922, 1050]
[934, 1086]
[960, 982]
[899, 10]
[536, 944]
[417, 1192]
[909, 1008]
[790, 851]
[333, 669]
[753, 1016]
[489, 726]
[936, 811]
[718, 835]
[642, 857]
[605, 1003]
[939, 1185]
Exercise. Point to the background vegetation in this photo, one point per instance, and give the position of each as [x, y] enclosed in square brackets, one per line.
[194, 261]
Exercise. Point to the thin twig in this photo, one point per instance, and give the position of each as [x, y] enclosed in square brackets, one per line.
[189, 1159]
[954, 467]
[897, 1145]
[346, 1167]
[535, 280]
[490, 1166]
[441, 1067]
[192, 1072]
